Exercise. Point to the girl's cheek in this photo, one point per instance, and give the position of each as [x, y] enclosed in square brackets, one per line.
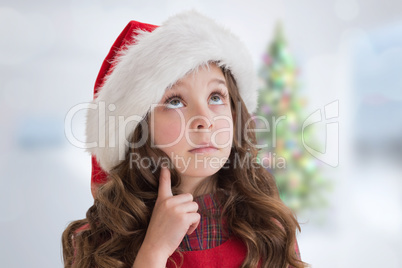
[224, 114]
[172, 133]
[224, 135]
[167, 131]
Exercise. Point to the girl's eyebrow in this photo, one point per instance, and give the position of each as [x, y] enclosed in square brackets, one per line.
[217, 80]
[178, 83]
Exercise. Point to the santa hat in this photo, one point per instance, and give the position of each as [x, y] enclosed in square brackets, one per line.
[144, 61]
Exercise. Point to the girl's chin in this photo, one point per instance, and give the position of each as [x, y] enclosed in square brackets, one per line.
[198, 172]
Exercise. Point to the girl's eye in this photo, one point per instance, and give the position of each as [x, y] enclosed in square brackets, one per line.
[219, 96]
[173, 103]
[216, 99]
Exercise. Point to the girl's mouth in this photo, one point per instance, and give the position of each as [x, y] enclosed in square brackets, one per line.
[208, 149]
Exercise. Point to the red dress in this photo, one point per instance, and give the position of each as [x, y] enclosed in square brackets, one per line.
[211, 244]
[229, 254]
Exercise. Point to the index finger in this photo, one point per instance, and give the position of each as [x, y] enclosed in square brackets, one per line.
[165, 187]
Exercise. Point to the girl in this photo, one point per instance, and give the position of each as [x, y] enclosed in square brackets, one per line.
[175, 179]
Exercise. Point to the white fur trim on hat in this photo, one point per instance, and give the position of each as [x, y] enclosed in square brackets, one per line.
[154, 63]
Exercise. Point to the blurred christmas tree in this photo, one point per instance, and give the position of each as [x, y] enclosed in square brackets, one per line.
[298, 174]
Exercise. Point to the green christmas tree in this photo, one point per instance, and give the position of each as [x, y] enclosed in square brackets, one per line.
[281, 114]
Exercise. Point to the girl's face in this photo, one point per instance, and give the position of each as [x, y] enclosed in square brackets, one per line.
[193, 124]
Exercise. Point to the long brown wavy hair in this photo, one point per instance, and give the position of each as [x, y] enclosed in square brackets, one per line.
[117, 222]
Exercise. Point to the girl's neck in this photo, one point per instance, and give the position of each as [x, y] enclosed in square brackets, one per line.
[198, 186]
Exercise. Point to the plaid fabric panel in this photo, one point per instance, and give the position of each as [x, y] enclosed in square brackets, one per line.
[211, 231]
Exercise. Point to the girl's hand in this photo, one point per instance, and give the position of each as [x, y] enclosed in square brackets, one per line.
[172, 218]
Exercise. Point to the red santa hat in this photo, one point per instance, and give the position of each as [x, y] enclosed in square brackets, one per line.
[144, 61]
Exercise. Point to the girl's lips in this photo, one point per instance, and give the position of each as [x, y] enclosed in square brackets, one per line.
[203, 150]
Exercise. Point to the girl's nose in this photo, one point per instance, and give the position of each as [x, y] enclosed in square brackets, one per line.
[201, 119]
[199, 122]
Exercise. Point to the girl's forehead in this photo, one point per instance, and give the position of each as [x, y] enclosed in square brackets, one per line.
[203, 74]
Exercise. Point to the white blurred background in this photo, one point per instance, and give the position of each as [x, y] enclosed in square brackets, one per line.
[350, 51]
